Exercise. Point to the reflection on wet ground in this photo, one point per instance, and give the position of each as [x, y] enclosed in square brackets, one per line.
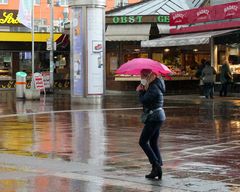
[51, 145]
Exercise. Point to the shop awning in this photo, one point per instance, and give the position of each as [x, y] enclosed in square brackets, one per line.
[184, 39]
[133, 32]
[163, 29]
[26, 37]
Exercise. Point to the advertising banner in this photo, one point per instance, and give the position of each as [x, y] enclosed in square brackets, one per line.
[25, 13]
[206, 14]
[77, 53]
[95, 50]
[179, 18]
[228, 11]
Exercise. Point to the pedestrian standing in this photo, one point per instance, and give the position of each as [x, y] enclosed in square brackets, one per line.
[208, 78]
[198, 75]
[226, 78]
[151, 92]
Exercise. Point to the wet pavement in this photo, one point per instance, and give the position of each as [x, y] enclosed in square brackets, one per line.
[51, 145]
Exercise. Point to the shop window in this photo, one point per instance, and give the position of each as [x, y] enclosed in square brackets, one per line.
[62, 67]
[234, 59]
[157, 57]
[40, 21]
[3, 1]
[5, 65]
[112, 63]
[25, 61]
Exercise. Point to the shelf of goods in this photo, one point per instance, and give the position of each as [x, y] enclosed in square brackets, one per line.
[137, 78]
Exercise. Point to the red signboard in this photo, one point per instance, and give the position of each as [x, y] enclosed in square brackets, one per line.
[201, 15]
[206, 14]
[179, 18]
[206, 27]
[228, 11]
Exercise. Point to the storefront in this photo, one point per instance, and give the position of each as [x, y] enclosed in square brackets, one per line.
[183, 52]
[126, 28]
[123, 44]
[15, 53]
[209, 33]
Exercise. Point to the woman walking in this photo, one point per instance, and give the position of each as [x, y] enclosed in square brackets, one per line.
[208, 78]
[151, 92]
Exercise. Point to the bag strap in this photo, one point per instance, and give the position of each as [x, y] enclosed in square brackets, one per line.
[152, 111]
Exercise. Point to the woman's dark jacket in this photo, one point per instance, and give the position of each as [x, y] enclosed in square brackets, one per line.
[225, 75]
[152, 99]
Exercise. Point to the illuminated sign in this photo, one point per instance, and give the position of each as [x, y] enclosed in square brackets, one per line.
[9, 17]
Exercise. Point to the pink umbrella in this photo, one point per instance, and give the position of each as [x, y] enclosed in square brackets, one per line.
[134, 67]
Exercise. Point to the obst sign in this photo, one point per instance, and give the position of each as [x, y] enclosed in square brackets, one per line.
[137, 19]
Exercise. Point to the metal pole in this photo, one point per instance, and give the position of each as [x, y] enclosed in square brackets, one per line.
[32, 19]
[52, 46]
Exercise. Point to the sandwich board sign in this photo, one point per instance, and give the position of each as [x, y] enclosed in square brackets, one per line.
[38, 81]
[46, 79]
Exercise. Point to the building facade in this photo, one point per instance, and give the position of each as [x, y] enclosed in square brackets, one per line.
[16, 42]
[113, 4]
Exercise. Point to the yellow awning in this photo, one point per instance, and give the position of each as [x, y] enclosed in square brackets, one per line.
[26, 37]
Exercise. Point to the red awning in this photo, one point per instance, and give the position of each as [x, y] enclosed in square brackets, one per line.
[63, 41]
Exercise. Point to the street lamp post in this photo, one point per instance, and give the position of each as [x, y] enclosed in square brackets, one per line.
[52, 46]
[32, 31]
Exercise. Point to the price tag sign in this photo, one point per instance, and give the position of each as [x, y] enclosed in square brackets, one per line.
[49, 45]
[46, 79]
[38, 81]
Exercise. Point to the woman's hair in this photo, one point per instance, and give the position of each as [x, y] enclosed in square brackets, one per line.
[145, 72]
[149, 76]
[208, 63]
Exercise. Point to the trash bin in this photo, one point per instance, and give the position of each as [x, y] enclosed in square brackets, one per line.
[20, 84]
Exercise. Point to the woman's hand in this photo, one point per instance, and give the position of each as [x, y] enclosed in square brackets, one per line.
[140, 87]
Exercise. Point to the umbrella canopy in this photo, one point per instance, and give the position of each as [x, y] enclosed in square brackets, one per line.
[134, 67]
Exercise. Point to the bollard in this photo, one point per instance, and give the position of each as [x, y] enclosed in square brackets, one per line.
[20, 84]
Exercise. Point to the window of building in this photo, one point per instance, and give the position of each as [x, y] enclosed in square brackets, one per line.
[63, 2]
[37, 2]
[3, 1]
[5, 65]
[121, 3]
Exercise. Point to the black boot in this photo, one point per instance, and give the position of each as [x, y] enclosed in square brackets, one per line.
[150, 175]
[156, 172]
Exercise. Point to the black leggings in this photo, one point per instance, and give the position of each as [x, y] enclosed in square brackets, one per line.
[149, 141]
[224, 89]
